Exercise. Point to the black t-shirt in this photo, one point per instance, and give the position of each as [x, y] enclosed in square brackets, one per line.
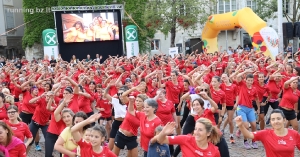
[18, 65]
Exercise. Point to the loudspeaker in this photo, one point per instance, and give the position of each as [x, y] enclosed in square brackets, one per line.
[288, 30]
[297, 29]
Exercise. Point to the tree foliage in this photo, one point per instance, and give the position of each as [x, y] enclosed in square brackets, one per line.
[37, 21]
[168, 16]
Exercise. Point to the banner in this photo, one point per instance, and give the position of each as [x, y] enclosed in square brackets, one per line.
[173, 51]
[131, 39]
[50, 43]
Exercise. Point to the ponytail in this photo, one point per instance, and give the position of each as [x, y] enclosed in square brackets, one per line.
[215, 135]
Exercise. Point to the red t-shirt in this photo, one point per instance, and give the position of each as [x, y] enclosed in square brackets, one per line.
[273, 89]
[73, 105]
[289, 98]
[84, 104]
[104, 103]
[189, 147]
[56, 127]
[41, 114]
[147, 128]
[276, 146]
[207, 114]
[131, 124]
[230, 93]
[165, 111]
[20, 130]
[173, 91]
[151, 90]
[18, 151]
[86, 150]
[3, 112]
[218, 96]
[261, 90]
[246, 95]
[27, 107]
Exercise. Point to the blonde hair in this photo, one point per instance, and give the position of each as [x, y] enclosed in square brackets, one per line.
[5, 91]
[10, 99]
[214, 136]
[142, 96]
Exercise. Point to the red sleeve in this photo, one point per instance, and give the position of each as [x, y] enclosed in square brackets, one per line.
[82, 144]
[260, 135]
[27, 133]
[223, 99]
[180, 139]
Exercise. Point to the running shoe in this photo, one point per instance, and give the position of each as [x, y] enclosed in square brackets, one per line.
[247, 145]
[238, 134]
[232, 140]
[254, 145]
[38, 148]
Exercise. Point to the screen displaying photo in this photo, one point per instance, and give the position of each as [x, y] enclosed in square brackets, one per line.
[90, 27]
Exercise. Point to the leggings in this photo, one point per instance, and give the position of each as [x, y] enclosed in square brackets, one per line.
[34, 128]
[49, 145]
[186, 112]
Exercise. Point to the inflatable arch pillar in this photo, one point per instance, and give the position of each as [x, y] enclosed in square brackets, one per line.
[264, 39]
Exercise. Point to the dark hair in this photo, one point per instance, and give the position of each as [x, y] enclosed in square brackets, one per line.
[50, 85]
[69, 89]
[78, 22]
[277, 111]
[249, 76]
[82, 115]
[81, 88]
[100, 129]
[175, 72]
[187, 81]
[218, 78]
[153, 103]
[201, 102]
[298, 70]
[3, 97]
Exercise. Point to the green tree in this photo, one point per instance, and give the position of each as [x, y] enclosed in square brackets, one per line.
[37, 21]
[168, 16]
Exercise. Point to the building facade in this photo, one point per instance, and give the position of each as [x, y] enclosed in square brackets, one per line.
[233, 38]
[11, 28]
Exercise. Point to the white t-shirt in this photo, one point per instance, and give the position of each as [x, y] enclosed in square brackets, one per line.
[120, 110]
[207, 105]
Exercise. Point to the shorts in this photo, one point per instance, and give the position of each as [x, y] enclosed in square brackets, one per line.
[114, 128]
[177, 112]
[289, 114]
[261, 109]
[121, 141]
[105, 118]
[219, 106]
[247, 114]
[26, 118]
[229, 108]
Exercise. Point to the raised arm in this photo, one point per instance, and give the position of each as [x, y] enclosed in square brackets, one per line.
[75, 129]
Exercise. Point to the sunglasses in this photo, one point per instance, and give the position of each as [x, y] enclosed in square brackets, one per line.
[203, 90]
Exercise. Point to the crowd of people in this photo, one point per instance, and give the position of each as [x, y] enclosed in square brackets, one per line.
[98, 108]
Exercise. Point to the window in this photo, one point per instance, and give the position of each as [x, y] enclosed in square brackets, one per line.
[155, 44]
[9, 20]
[227, 6]
[251, 4]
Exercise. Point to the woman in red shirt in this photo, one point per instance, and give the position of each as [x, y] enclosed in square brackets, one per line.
[200, 144]
[10, 145]
[148, 122]
[289, 100]
[174, 91]
[128, 131]
[19, 128]
[3, 107]
[85, 101]
[95, 147]
[278, 141]
[105, 108]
